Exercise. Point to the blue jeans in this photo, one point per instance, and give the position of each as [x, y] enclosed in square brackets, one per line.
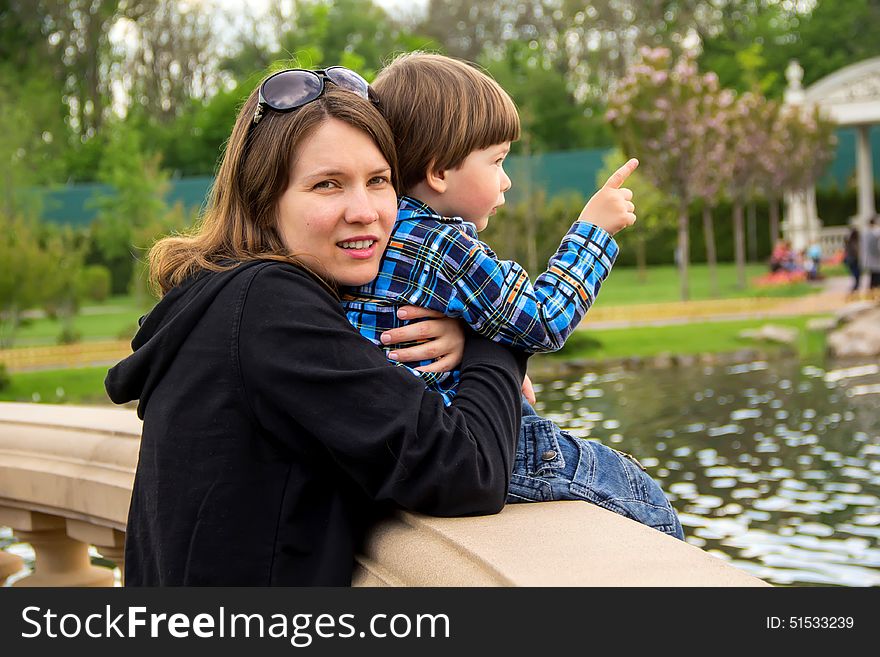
[551, 465]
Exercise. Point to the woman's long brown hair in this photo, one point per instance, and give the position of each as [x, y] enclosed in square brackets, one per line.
[240, 222]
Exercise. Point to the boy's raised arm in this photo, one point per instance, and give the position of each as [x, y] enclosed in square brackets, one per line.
[499, 301]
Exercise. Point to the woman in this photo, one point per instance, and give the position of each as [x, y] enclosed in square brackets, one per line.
[274, 434]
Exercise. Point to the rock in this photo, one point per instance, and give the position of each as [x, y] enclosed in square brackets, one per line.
[664, 360]
[861, 337]
[635, 362]
[742, 356]
[822, 323]
[852, 310]
[686, 360]
[772, 333]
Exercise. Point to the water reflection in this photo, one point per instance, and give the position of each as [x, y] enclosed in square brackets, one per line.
[773, 467]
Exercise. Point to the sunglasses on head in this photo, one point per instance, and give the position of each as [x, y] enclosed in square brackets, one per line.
[288, 90]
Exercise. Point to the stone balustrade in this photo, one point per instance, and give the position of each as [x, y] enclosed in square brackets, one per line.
[832, 239]
[65, 483]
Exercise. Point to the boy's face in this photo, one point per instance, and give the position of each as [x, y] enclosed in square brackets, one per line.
[475, 190]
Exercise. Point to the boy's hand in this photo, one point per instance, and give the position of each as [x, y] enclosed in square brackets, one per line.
[528, 391]
[442, 339]
[611, 208]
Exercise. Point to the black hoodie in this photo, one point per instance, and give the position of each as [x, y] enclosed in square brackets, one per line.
[274, 433]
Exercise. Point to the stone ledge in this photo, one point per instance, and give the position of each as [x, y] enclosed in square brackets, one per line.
[539, 544]
[77, 464]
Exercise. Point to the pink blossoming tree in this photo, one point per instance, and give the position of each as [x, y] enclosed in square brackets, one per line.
[752, 154]
[666, 114]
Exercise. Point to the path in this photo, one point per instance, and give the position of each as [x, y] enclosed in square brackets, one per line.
[832, 297]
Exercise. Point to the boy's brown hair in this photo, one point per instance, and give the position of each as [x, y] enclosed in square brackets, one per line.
[440, 110]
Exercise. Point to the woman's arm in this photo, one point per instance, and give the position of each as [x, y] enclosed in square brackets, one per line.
[442, 342]
[324, 391]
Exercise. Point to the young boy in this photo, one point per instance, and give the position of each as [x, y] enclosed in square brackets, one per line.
[453, 126]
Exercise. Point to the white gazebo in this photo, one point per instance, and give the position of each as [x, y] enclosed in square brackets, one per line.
[850, 97]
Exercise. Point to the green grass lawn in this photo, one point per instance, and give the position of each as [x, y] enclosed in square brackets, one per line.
[86, 385]
[695, 338]
[662, 285]
[115, 319]
[83, 385]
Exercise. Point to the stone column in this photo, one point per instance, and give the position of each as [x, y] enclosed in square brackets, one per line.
[109, 542]
[801, 225]
[865, 175]
[59, 560]
[9, 565]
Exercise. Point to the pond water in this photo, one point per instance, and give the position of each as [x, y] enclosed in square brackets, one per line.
[774, 467]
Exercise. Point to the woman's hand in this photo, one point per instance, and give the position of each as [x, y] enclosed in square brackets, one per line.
[441, 338]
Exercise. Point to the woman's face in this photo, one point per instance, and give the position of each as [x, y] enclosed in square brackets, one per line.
[339, 206]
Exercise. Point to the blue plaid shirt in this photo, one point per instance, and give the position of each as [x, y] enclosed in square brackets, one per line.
[439, 263]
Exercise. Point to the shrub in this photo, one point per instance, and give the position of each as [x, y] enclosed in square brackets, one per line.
[95, 281]
[69, 336]
[128, 332]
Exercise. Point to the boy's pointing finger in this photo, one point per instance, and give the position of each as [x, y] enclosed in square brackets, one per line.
[619, 177]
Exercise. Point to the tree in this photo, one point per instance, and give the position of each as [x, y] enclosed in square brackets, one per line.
[174, 220]
[660, 111]
[777, 166]
[139, 186]
[25, 263]
[714, 144]
[63, 283]
[750, 44]
[79, 46]
[553, 119]
[590, 43]
[654, 209]
[32, 128]
[750, 120]
[355, 33]
[804, 144]
[18, 141]
[173, 61]
[192, 143]
[835, 34]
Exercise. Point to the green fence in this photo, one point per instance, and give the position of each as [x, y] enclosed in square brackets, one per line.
[557, 173]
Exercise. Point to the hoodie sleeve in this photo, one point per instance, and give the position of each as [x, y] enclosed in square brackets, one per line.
[309, 376]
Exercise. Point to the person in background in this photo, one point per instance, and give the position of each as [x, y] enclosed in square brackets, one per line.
[872, 257]
[783, 257]
[778, 256]
[852, 256]
[813, 261]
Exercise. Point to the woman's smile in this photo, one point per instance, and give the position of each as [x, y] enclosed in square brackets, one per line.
[360, 247]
